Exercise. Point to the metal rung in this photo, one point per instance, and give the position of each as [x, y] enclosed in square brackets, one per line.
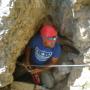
[82, 65]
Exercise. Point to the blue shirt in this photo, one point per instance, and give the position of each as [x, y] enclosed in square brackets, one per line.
[41, 54]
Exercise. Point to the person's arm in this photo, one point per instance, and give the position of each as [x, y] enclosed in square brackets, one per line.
[27, 57]
[54, 61]
[29, 46]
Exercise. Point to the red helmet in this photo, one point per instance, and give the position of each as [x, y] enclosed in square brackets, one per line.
[48, 31]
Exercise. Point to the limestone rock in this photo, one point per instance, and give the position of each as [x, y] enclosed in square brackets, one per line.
[82, 35]
[21, 86]
[21, 24]
[62, 85]
[79, 76]
[87, 56]
[25, 86]
[60, 73]
[72, 19]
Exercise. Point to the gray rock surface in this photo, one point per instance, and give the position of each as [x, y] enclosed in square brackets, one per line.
[72, 19]
[21, 86]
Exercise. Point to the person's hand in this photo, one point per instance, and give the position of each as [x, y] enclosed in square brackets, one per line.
[35, 71]
[27, 66]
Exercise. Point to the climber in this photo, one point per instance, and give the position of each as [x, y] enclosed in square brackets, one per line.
[43, 49]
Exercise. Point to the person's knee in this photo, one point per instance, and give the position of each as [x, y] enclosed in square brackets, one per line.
[50, 84]
[47, 80]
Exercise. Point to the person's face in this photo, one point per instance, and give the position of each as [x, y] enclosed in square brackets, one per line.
[50, 43]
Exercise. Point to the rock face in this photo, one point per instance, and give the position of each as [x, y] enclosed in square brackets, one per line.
[78, 77]
[21, 25]
[72, 19]
[21, 86]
